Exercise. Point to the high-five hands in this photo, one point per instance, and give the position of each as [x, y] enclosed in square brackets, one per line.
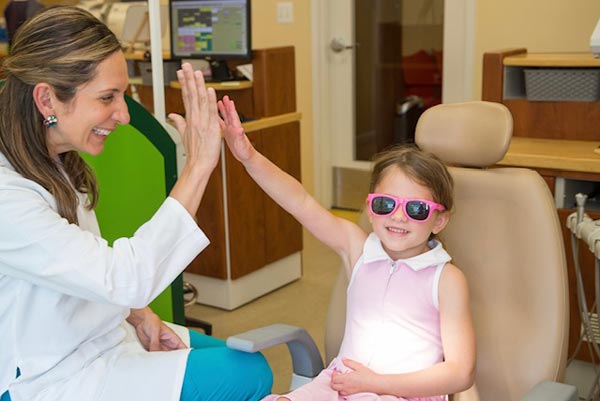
[237, 141]
[199, 130]
[201, 135]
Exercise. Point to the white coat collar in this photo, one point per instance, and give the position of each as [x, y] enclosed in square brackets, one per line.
[4, 162]
[373, 252]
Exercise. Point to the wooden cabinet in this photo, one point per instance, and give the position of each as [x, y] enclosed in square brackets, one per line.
[258, 230]
[504, 82]
[255, 245]
[556, 138]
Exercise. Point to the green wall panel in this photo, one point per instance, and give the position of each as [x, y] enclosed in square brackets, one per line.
[131, 180]
[135, 172]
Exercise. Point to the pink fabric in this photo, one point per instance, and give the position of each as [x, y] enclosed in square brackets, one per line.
[320, 390]
[392, 317]
[392, 321]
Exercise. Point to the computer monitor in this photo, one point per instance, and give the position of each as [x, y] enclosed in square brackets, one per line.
[210, 29]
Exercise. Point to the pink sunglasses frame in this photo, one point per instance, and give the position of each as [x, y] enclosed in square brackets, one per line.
[403, 201]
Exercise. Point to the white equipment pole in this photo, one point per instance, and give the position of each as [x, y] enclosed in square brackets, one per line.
[158, 88]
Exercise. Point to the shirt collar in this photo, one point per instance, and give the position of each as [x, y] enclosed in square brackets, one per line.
[373, 252]
[4, 162]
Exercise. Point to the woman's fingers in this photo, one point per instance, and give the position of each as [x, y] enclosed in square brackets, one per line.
[179, 122]
[213, 112]
[200, 129]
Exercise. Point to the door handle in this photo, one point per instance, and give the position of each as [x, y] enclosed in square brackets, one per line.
[338, 45]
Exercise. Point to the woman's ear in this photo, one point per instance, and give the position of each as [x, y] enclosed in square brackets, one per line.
[43, 96]
[441, 220]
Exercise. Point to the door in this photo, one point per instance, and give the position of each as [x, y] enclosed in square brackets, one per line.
[361, 51]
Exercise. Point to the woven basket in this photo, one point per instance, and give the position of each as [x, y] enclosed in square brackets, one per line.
[562, 84]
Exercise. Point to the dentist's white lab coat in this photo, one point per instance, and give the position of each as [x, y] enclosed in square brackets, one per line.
[65, 295]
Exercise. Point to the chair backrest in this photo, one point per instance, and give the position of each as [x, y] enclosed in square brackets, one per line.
[504, 234]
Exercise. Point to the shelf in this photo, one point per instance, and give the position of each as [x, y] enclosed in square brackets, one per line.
[269, 122]
[554, 154]
[552, 60]
[141, 55]
[220, 86]
[562, 110]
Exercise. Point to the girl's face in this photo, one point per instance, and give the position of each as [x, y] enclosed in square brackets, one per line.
[402, 237]
[85, 122]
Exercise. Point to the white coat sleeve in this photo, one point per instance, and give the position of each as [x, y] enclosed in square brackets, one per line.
[41, 247]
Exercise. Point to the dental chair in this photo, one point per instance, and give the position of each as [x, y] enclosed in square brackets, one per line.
[504, 234]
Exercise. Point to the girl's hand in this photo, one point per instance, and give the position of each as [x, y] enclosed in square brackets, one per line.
[237, 141]
[152, 332]
[358, 381]
[199, 129]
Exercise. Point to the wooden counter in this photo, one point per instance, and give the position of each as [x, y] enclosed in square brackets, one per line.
[504, 81]
[140, 55]
[571, 60]
[556, 154]
[269, 122]
[220, 86]
[255, 244]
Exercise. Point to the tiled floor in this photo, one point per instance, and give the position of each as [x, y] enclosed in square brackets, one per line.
[581, 374]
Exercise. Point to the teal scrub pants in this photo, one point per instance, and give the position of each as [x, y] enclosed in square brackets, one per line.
[216, 373]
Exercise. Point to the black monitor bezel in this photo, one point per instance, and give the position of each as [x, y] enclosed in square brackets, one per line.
[213, 56]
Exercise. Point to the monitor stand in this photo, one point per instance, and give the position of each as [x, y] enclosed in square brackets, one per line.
[220, 71]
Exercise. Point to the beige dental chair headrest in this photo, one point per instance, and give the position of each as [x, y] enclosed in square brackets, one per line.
[481, 143]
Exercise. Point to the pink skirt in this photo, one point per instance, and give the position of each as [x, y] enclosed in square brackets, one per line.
[320, 390]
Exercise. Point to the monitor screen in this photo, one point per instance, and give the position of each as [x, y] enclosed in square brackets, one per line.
[210, 29]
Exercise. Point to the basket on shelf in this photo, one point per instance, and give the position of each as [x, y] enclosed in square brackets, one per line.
[562, 84]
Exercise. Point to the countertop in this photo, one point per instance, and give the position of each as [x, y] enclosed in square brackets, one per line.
[552, 60]
[558, 154]
[267, 122]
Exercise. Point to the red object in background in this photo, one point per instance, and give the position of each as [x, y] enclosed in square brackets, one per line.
[422, 73]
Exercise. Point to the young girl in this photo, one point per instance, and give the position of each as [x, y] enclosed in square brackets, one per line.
[408, 327]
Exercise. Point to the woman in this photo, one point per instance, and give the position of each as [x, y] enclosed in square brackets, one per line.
[74, 321]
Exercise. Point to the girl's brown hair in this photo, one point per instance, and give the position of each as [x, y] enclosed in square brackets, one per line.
[422, 167]
[61, 46]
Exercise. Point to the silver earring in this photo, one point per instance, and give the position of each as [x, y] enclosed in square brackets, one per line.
[50, 121]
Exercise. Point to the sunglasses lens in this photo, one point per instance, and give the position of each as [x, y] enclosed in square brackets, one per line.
[417, 210]
[382, 205]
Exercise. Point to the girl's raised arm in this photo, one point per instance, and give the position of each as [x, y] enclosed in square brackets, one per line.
[344, 237]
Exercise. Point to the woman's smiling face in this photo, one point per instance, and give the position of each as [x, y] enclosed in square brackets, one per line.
[94, 112]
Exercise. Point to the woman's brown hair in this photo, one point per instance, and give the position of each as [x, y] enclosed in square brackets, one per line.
[61, 46]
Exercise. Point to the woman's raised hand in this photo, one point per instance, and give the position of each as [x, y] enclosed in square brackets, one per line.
[201, 136]
[199, 130]
[237, 141]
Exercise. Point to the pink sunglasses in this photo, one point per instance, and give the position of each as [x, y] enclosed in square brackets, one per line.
[418, 210]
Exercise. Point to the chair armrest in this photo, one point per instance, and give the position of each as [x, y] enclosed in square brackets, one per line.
[552, 391]
[306, 358]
